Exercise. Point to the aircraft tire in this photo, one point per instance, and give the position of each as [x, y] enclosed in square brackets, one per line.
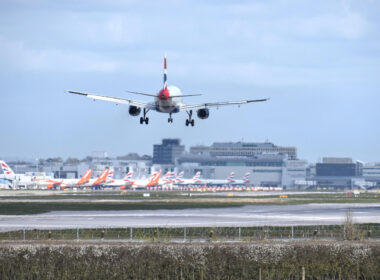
[141, 120]
[187, 122]
[146, 120]
[192, 122]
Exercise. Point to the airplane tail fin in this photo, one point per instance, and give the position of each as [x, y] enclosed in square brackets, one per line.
[197, 175]
[128, 176]
[109, 177]
[85, 178]
[102, 177]
[246, 177]
[7, 170]
[231, 178]
[165, 74]
[154, 179]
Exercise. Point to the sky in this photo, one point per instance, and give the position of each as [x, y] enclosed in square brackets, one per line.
[318, 61]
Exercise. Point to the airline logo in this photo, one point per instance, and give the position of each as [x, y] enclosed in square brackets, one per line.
[231, 179]
[85, 178]
[246, 177]
[102, 178]
[179, 177]
[168, 178]
[110, 176]
[128, 178]
[196, 177]
[7, 170]
[154, 179]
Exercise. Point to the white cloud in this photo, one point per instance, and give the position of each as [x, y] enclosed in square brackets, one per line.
[16, 55]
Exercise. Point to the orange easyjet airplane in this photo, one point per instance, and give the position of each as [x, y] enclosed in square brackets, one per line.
[65, 183]
[145, 183]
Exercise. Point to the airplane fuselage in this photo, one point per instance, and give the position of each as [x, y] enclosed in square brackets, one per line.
[165, 103]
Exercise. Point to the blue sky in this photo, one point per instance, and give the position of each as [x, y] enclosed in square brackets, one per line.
[319, 62]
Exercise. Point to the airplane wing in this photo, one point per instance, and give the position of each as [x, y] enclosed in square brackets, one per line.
[116, 100]
[217, 104]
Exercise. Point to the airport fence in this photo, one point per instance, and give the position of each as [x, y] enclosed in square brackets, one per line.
[200, 234]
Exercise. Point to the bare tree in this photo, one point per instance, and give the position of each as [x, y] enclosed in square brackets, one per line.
[350, 230]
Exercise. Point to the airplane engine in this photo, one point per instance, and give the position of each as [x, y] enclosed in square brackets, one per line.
[134, 111]
[203, 113]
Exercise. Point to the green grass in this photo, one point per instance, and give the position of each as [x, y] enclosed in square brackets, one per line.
[162, 200]
[168, 234]
[25, 208]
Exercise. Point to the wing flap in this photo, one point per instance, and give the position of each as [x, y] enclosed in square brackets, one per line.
[217, 104]
[116, 100]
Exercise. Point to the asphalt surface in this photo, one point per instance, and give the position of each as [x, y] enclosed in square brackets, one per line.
[250, 215]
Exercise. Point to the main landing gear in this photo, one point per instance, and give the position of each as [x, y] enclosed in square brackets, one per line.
[190, 120]
[144, 118]
[170, 119]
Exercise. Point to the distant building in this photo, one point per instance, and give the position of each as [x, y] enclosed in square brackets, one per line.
[338, 173]
[269, 165]
[168, 151]
[99, 154]
[243, 149]
[371, 173]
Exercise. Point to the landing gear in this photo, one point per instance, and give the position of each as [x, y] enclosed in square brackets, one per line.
[144, 118]
[190, 120]
[170, 119]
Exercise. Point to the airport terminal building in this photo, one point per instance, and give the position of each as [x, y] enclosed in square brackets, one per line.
[269, 165]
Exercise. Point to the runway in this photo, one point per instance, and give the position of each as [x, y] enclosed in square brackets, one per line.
[250, 215]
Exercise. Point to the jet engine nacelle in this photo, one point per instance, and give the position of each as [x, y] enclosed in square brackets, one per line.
[134, 111]
[203, 113]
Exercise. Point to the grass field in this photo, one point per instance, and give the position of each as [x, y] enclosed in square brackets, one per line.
[18, 205]
[190, 234]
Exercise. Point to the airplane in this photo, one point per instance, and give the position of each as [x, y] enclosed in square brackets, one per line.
[126, 181]
[198, 181]
[168, 100]
[244, 181]
[167, 179]
[16, 180]
[84, 181]
[195, 180]
[147, 183]
[101, 180]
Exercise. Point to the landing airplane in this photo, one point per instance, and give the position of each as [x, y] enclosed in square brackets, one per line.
[168, 100]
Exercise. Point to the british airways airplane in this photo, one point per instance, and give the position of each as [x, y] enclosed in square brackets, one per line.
[168, 100]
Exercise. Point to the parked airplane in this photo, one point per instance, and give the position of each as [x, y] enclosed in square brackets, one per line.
[193, 181]
[167, 179]
[16, 180]
[126, 181]
[168, 100]
[101, 180]
[244, 181]
[146, 183]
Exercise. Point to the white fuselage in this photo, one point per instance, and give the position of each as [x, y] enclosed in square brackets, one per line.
[170, 105]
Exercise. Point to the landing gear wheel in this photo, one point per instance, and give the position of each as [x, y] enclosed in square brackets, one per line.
[141, 120]
[146, 120]
[190, 120]
[170, 120]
